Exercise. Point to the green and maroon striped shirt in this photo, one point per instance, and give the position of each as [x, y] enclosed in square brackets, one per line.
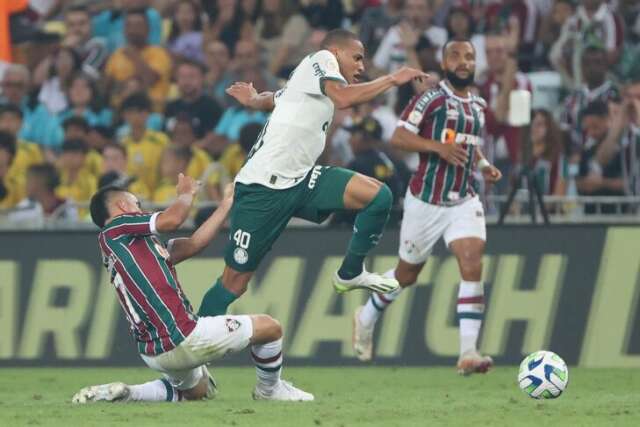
[429, 115]
[159, 313]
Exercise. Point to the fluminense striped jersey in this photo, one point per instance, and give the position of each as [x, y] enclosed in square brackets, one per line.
[159, 313]
[431, 115]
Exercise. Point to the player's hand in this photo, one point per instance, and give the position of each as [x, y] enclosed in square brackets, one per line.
[453, 154]
[187, 185]
[243, 92]
[406, 74]
[491, 174]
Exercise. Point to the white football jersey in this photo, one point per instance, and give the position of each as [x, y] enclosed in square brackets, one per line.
[294, 136]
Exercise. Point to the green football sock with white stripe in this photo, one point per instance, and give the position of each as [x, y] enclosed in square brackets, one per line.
[470, 310]
[216, 300]
[367, 231]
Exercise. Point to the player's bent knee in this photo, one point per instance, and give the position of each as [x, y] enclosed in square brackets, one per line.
[265, 329]
[383, 199]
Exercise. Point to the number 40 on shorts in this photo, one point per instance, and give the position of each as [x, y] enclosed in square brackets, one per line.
[242, 238]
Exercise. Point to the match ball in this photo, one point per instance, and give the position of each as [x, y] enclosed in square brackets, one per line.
[543, 375]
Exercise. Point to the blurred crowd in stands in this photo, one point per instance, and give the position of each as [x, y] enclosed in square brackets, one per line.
[132, 92]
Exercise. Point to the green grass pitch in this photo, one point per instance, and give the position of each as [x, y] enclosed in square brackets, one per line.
[363, 396]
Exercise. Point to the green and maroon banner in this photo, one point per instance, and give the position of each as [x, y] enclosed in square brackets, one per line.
[570, 289]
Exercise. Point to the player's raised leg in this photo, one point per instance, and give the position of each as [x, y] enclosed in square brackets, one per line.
[373, 200]
[470, 307]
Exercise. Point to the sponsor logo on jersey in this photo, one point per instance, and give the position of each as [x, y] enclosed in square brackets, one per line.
[240, 256]
[450, 136]
[317, 71]
[315, 173]
[415, 117]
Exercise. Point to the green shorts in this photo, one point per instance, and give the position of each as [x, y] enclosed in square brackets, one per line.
[260, 214]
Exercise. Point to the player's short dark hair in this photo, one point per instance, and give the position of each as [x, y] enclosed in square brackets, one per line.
[48, 173]
[98, 207]
[456, 40]
[338, 37]
[596, 108]
[116, 146]
[76, 121]
[75, 146]
[11, 109]
[137, 101]
[8, 143]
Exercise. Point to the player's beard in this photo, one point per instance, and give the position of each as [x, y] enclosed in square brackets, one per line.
[457, 82]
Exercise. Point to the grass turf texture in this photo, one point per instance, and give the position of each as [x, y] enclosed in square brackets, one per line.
[366, 396]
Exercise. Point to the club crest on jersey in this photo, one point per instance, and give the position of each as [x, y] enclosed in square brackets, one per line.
[332, 65]
[240, 256]
[232, 324]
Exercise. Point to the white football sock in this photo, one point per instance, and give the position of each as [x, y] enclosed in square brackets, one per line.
[377, 302]
[470, 310]
[154, 391]
[268, 360]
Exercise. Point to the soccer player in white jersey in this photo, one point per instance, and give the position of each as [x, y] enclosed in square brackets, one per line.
[444, 125]
[280, 179]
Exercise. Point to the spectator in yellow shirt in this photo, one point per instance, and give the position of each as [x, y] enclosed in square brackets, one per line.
[151, 63]
[182, 132]
[27, 153]
[144, 146]
[76, 183]
[77, 127]
[8, 195]
[114, 171]
[175, 160]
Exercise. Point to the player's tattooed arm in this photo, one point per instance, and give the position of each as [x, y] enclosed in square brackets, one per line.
[186, 247]
[404, 139]
[173, 217]
[247, 95]
[345, 96]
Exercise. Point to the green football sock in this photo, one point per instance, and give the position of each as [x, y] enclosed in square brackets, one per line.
[216, 300]
[367, 231]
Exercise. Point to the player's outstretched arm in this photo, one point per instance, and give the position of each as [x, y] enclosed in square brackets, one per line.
[345, 96]
[186, 247]
[173, 217]
[247, 95]
[406, 140]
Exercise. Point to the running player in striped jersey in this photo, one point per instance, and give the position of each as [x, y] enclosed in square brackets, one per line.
[444, 125]
[171, 338]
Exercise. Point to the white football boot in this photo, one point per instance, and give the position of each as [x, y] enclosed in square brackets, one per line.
[114, 392]
[284, 391]
[372, 281]
[471, 362]
[362, 338]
